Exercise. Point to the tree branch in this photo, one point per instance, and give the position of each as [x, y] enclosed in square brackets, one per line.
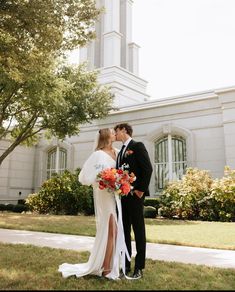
[21, 137]
[6, 130]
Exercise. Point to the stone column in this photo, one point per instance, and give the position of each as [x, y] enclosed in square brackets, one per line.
[126, 30]
[112, 36]
[87, 54]
[134, 58]
[129, 50]
[227, 100]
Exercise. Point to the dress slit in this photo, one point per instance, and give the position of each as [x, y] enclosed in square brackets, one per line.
[110, 245]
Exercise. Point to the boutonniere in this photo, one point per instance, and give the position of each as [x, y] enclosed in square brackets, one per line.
[125, 166]
[128, 152]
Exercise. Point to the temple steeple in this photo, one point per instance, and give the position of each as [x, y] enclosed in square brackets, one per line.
[115, 54]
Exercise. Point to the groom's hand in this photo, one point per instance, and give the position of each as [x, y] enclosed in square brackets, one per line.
[138, 193]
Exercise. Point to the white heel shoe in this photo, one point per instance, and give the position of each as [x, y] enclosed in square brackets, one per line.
[109, 275]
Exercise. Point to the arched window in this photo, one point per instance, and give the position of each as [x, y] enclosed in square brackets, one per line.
[56, 161]
[170, 160]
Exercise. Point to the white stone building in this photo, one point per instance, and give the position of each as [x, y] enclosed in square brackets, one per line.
[195, 130]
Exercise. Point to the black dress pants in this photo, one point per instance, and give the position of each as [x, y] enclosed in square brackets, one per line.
[133, 216]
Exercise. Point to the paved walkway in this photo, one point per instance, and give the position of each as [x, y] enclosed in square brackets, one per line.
[166, 252]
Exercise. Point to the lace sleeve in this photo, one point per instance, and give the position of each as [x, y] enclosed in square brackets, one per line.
[92, 166]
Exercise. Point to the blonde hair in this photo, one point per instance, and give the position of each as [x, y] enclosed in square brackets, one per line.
[103, 139]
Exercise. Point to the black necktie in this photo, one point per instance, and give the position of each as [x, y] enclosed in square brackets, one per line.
[120, 155]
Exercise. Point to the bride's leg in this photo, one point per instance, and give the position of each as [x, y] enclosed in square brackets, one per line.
[112, 233]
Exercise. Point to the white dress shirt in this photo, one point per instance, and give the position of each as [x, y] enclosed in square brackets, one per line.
[126, 144]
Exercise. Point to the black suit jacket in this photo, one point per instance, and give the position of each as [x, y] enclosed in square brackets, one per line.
[136, 160]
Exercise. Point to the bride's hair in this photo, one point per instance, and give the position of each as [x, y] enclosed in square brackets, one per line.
[103, 138]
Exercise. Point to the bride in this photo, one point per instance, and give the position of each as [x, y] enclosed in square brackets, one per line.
[109, 250]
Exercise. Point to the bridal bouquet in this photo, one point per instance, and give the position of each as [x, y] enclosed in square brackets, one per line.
[116, 180]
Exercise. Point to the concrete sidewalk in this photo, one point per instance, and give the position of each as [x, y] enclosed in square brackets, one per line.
[166, 252]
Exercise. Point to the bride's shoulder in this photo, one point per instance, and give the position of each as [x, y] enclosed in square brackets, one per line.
[98, 153]
[95, 154]
[95, 157]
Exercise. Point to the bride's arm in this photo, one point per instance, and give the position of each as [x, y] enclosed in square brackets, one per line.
[92, 166]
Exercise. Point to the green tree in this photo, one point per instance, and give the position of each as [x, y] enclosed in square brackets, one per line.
[38, 91]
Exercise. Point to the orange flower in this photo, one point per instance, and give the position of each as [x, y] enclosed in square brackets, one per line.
[125, 188]
[116, 181]
[108, 175]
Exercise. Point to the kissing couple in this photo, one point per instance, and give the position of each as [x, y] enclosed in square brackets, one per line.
[115, 215]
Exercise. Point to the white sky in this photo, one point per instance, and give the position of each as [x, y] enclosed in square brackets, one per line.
[186, 46]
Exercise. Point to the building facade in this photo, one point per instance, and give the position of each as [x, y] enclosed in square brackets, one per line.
[196, 130]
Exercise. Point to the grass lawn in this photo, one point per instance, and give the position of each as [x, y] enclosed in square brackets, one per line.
[191, 233]
[27, 267]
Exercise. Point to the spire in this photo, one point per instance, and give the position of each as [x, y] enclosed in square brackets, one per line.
[115, 54]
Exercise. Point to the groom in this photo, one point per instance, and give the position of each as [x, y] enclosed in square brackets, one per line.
[134, 158]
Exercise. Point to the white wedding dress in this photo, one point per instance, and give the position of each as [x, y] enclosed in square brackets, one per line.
[105, 205]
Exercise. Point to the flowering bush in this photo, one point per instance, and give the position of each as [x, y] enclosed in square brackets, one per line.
[223, 195]
[185, 198]
[116, 180]
[62, 194]
[197, 196]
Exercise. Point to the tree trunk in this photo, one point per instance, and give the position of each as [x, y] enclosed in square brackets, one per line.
[8, 151]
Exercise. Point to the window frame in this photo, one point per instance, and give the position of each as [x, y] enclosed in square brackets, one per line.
[59, 161]
[168, 159]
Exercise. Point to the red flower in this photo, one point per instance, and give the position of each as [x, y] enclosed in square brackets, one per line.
[128, 152]
[101, 185]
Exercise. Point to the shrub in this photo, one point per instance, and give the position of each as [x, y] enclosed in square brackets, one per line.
[21, 201]
[152, 202]
[13, 208]
[150, 212]
[62, 194]
[184, 198]
[9, 207]
[2, 207]
[19, 208]
[86, 203]
[197, 196]
[223, 196]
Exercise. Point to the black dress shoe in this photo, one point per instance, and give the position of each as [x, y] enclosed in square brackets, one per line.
[138, 274]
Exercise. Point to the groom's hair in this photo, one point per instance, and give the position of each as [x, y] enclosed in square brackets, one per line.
[125, 126]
